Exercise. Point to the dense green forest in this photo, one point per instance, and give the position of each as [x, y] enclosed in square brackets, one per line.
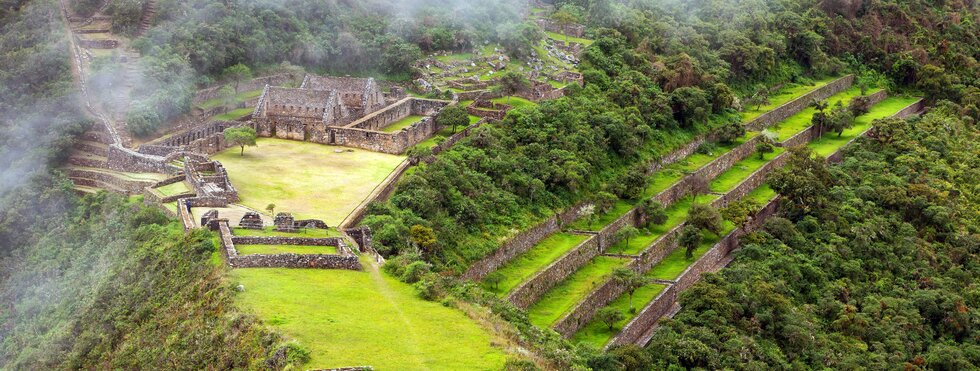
[878, 272]
[97, 282]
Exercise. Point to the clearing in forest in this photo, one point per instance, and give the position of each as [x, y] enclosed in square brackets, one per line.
[306, 179]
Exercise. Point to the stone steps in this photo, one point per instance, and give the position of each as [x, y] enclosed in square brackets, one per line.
[149, 10]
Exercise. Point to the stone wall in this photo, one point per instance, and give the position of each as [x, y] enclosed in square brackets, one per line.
[287, 240]
[124, 159]
[796, 105]
[708, 262]
[574, 30]
[520, 243]
[98, 44]
[346, 260]
[531, 290]
[453, 139]
[254, 84]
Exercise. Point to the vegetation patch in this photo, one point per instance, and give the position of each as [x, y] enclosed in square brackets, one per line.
[783, 95]
[401, 124]
[741, 170]
[284, 249]
[523, 267]
[233, 114]
[831, 142]
[352, 318]
[309, 180]
[598, 333]
[563, 297]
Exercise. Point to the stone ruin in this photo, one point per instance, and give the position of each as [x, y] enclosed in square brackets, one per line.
[210, 219]
[285, 222]
[251, 220]
[344, 111]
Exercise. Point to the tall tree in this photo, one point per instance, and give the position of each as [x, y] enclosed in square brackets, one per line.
[238, 73]
[630, 280]
[512, 82]
[705, 217]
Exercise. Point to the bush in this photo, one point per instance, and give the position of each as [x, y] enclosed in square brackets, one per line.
[415, 271]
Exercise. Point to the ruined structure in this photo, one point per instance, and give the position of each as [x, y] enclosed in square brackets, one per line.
[251, 220]
[343, 111]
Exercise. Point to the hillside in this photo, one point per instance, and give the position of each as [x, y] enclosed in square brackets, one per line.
[519, 185]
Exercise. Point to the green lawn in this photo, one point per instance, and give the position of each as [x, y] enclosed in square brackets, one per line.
[315, 182]
[802, 120]
[563, 297]
[240, 97]
[786, 94]
[761, 194]
[283, 249]
[565, 38]
[455, 57]
[515, 102]
[598, 333]
[676, 262]
[740, 170]
[599, 221]
[271, 231]
[445, 132]
[174, 189]
[401, 124]
[526, 265]
[830, 142]
[234, 114]
[351, 318]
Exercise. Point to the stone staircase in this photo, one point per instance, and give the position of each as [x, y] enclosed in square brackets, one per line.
[149, 10]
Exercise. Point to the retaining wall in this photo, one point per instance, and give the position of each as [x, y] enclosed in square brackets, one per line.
[520, 243]
[796, 105]
[531, 290]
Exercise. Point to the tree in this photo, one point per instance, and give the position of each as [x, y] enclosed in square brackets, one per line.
[238, 73]
[820, 120]
[494, 279]
[227, 97]
[690, 239]
[512, 82]
[804, 181]
[604, 202]
[840, 119]
[653, 212]
[698, 185]
[271, 208]
[703, 216]
[240, 136]
[760, 97]
[767, 141]
[609, 316]
[453, 116]
[740, 211]
[424, 238]
[631, 280]
[626, 233]
[731, 131]
[563, 18]
[690, 105]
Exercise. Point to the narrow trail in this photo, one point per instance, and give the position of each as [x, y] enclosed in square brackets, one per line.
[389, 294]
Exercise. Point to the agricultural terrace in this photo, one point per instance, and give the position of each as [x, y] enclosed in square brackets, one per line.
[676, 262]
[354, 318]
[785, 94]
[309, 180]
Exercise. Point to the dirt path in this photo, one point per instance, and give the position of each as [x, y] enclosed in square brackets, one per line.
[389, 294]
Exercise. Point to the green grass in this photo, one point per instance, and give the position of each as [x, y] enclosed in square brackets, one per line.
[515, 102]
[563, 297]
[327, 186]
[598, 333]
[401, 124]
[172, 206]
[802, 120]
[284, 249]
[240, 97]
[676, 213]
[272, 232]
[761, 194]
[564, 38]
[601, 220]
[234, 114]
[455, 57]
[830, 142]
[786, 94]
[740, 170]
[527, 264]
[352, 318]
[174, 189]
[443, 133]
[676, 262]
